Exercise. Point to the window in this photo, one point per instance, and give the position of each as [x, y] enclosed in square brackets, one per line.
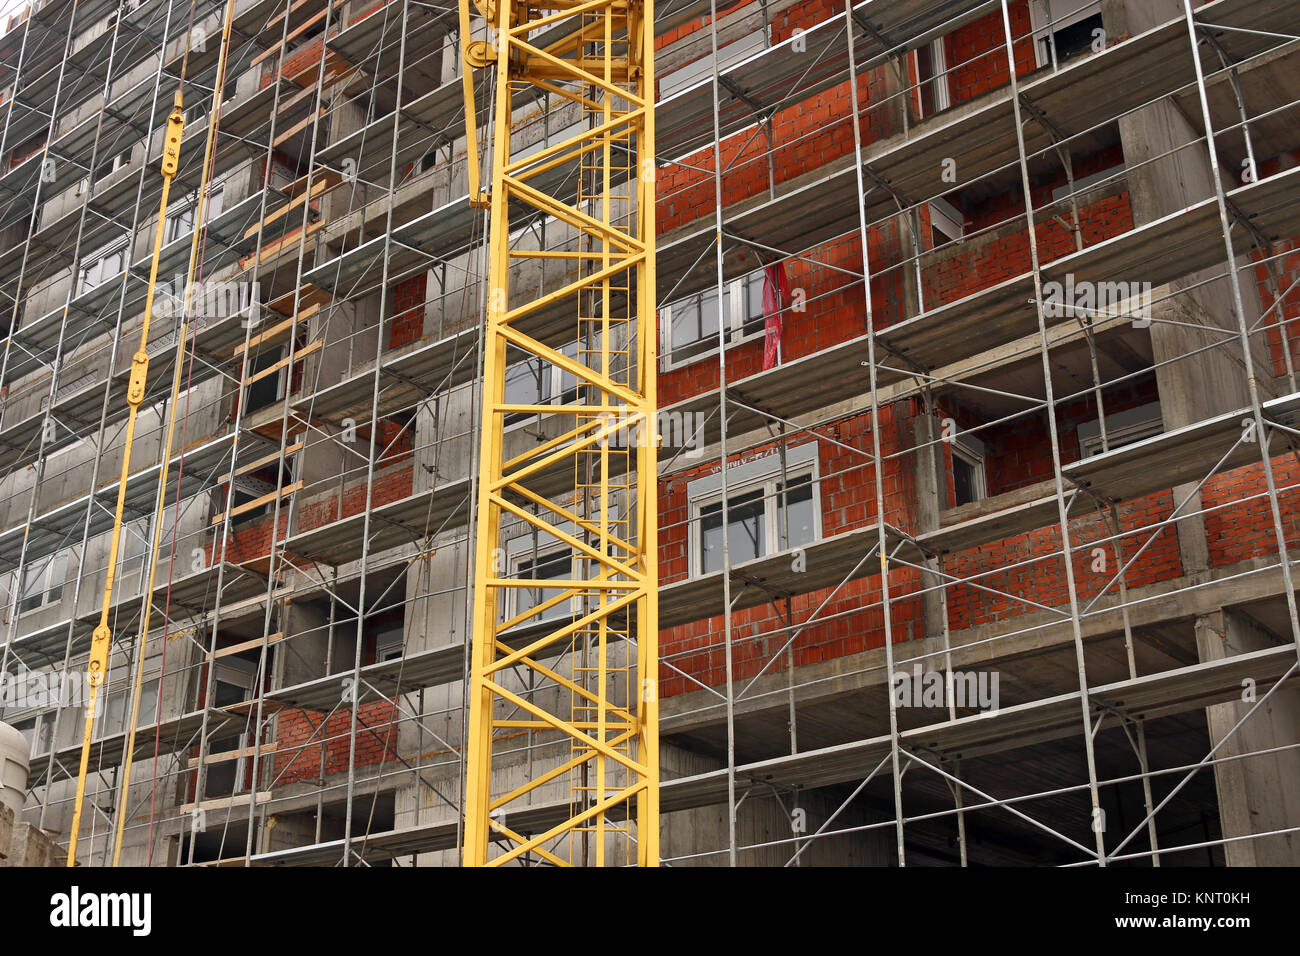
[269, 388]
[39, 731]
[552, 137]
[115, 714]
[946, 222]
[202, 105]
[108, 262]
[389, 643]
[537, 382]
[553, 565]
[765, 514]
[43, 582]
[180, 220]
[968, 473]
[1064, 27]
[932, 78]
[133, 545]
[1122, 428]
[233, 684]
[108, 166]
[688, 328]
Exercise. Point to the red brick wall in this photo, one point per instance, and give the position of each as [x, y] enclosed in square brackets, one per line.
[1239, 521]
[408, 310]
[976, 53]
[298, 760]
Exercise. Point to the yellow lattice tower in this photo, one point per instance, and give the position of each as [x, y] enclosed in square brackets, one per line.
[589, 489]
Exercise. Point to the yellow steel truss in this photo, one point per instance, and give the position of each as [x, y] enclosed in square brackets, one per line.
[589, 644]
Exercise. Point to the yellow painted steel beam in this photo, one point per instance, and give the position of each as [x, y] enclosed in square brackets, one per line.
[594, 712]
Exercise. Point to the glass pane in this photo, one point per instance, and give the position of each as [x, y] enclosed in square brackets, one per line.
[963, 480]
[33, 589]
[685, 323]
[709, 313]
[111, 722]
[745, 531]
[148, 703]
[524, 383]
[795, 517]
[58, 572]
[569, 383]
[227, 693]
[549, 567]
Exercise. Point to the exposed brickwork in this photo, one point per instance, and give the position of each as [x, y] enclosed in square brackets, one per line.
[298, 760]
[408, 310]
[1024, 565]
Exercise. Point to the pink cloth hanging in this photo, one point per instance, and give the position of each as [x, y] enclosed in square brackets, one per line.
[774, 297]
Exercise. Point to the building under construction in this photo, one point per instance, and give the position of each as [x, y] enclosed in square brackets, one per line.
[975, 427]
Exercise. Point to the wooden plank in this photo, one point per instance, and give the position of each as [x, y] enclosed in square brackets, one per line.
[258, 502]
[260, 463]
[298, 127]
[331, 176]
[225, 803]
[245, 646]
[275, 248]
[303, 352]
[275, 334]
[284, 304]
[284, 210]
[229, 755]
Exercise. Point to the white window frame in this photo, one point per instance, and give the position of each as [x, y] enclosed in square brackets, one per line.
[42, 731]
[544, 554]
[938, 81]
[92, 276]
[738, 315]
[180, 218]
[1065, 13]
[971, 450]
[765, 473]
[230, 673]
[554, 378]
[118, 161]
[1128, 427]
[390, 644]
[121, 700]
[945, 218]
[49, 578]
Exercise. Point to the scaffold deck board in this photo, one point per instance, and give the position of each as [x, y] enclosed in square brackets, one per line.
[1169, 692]
[51, 529]
[391, 524]
[1186, 241]
[1184, 454]
[804, 570]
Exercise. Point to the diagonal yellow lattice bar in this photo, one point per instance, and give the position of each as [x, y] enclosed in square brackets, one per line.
[581, 683]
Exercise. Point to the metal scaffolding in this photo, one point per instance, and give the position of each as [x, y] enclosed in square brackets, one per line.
[301, 657]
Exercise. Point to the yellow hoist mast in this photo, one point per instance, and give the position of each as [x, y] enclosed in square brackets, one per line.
[566, 657]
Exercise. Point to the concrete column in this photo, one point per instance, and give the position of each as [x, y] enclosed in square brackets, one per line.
[1256, 794]
[1212, 381]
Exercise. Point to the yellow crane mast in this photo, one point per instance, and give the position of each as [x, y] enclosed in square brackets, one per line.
[588, 488]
